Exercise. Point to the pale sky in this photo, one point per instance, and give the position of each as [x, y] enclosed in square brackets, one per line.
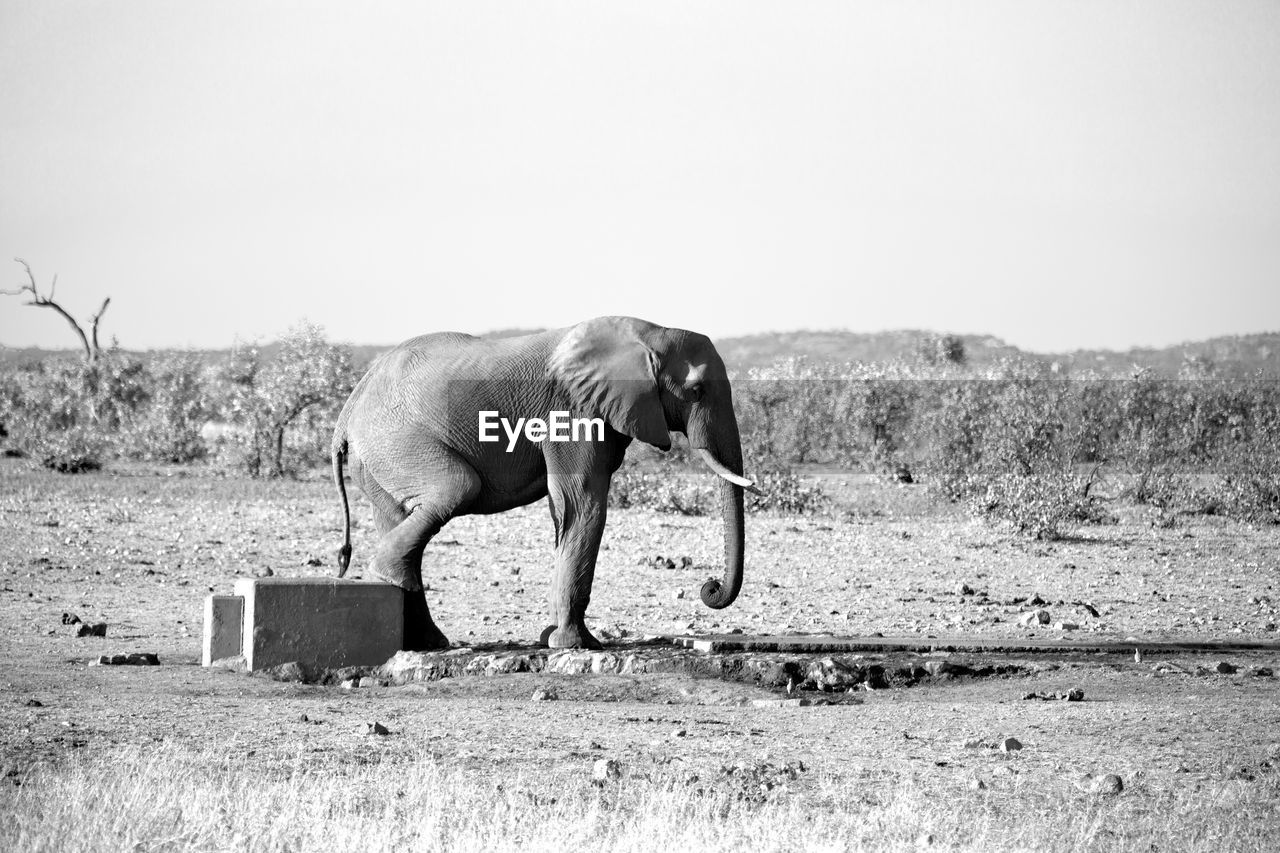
[1059, 174]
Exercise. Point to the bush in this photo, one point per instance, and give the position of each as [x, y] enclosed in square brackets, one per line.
[667, 488]
[284, 407]
[167, 429]
[785, 492]
[1009, 448]
[63, 413]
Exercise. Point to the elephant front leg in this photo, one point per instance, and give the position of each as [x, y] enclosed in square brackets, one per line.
[578, 510]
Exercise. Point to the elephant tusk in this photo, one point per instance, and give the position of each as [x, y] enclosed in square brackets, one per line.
[715, 465]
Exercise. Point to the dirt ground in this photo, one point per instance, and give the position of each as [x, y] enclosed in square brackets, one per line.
[140, 551]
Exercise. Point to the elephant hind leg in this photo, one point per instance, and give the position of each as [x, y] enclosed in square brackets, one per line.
[399, 556]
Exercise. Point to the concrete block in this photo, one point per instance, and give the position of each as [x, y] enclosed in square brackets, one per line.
[320, 622]
[223, 627]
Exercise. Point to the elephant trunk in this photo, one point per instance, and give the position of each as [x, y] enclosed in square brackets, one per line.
[718, 594]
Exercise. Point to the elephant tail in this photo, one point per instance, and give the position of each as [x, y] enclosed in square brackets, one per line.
[344, 552]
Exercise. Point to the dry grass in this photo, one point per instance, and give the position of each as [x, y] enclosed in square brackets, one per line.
[176, 799]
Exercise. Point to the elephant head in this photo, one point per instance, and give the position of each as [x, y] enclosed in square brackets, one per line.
[646, 381]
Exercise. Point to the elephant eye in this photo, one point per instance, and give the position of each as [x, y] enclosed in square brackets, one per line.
[694, 392]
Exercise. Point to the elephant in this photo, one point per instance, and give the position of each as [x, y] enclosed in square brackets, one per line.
[414, 434]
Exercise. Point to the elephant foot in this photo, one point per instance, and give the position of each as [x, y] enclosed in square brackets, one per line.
[420, 631]
[425, 639]
[571, 637]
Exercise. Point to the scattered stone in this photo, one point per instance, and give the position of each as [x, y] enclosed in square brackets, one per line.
[265, 572]
[34, 703]
[680, 733]
[1075, 694]
[134, 659]
[1137, 655]
[1066, 626]
[679, 594]
[606, 770]
[925, 839]
[97, 629]
[1261, 672]
[1036, 601]
[1010, 744]
[1039, 616]
[70, 619]
[973, 743]
[315, 561]
[544, 694]
[349, 683]
[964, 589]
[1108, 785]
[1224, 668]
[976, 784]
[304, 719]
[376, 728]
[368, 681]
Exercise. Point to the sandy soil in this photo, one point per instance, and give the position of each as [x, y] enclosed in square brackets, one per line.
[141, 551]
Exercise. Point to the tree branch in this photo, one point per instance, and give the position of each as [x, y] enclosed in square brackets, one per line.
[94, 320]
[40, 300]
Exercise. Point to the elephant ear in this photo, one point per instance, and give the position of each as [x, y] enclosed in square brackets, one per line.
[609, 372]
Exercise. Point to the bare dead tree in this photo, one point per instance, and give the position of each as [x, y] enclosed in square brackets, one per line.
[88, 342]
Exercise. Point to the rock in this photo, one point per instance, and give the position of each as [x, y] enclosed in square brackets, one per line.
[349, 683]
[832, 674]
[303, 718]
[376, 728]
[291, 671]
[977, 785]
[264, 572]
[680, 733]
[964, 589]
[1224, 668]
[134, 659]
[405, 667]
[544, 694]
[235, 663]
[97, 629]
[1036, 601]
[1065, 626]
[1075, 694]
[368, 681]
[70, 619]
[1108, 785]
[34, 703]
[1010, 744]
[679, 594]
[925, 839]
[1039, 616]
[606, 770]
